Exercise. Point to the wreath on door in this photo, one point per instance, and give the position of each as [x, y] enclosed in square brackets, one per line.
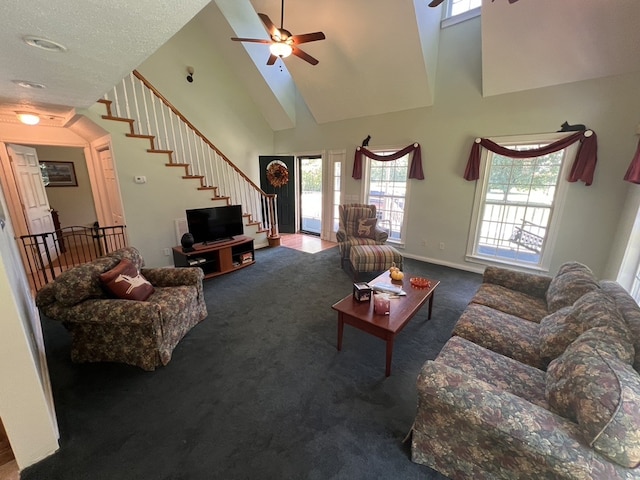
[277, 173]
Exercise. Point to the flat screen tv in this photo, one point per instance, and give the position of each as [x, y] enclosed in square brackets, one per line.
[214, 224]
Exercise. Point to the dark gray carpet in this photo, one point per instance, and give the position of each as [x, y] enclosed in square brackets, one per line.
[258, 389]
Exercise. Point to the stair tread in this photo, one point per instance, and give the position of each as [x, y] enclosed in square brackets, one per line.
[139, 135]
[176, 164]
[154, 150]
[117, 119]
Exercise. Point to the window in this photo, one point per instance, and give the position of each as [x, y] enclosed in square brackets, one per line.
[517, 205]
[457, 11]
[386, 188]
[457, 7]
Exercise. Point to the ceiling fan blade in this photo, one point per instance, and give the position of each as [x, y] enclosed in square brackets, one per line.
[272, 59]
[435, 3]
[271, 28]
[254, 40]
[304, 56]
[308, 37]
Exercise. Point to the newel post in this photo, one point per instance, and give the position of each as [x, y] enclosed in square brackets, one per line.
[274, 234]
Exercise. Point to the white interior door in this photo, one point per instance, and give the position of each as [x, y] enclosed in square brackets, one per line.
[35, 204]
[111, 187]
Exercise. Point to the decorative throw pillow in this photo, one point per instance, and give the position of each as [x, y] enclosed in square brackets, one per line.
[366, 227]
[602, 395]
[354, 213]
[571, 282]
[126, 282]
[593, 309]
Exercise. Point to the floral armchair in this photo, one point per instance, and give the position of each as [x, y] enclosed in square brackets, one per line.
[105, 328]
[358, 225]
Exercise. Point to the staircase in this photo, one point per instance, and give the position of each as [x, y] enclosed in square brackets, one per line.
[151, 116]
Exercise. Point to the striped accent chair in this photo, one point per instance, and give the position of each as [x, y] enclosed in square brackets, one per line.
[347, 234]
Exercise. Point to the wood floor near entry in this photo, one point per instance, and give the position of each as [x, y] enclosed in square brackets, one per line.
[305, 243]
[8, 466]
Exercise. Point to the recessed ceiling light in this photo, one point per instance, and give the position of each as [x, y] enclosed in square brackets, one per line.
[43, 43]
[28, 84]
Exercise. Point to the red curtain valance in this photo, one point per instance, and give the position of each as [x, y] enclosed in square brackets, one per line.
[415, 170]
[582, 169]
[633, 172]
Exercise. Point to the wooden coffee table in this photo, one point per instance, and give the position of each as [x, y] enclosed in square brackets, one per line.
[361, 315]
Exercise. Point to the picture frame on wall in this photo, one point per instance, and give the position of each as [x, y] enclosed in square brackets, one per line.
[60, 174]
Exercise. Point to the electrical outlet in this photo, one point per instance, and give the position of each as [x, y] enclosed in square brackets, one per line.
[441, 245]
[166, 251]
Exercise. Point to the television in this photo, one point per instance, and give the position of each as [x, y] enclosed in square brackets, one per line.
[214, 224]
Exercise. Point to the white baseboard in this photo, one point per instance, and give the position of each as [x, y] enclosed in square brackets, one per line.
[457, 266]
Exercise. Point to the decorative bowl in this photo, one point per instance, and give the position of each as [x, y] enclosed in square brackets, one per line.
[420, 282]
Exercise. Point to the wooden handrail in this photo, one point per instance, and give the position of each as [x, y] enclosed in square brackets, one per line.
[195, 130]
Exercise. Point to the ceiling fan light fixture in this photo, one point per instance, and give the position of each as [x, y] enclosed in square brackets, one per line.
[280, 49]
[28, 118]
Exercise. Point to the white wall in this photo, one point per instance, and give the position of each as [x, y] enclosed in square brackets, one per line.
[216, 102]
[150, 208]
[73, 204]
[440, 206]
[28, 417]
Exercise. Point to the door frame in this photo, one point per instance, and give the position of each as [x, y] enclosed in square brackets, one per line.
[33, 136]
[329, 160]
[299, 212]
[101, 199]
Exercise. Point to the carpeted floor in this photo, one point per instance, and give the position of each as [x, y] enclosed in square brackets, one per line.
[258, 389]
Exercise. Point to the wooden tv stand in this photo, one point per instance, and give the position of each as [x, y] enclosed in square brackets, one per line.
[217, 258]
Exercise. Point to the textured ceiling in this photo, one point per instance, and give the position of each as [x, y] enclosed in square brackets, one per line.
[104, 41]
[379, 56]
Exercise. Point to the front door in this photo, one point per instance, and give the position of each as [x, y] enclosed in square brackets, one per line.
[35, 204]
[277, 176]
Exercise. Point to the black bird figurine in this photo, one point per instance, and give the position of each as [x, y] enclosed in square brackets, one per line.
[365, 142]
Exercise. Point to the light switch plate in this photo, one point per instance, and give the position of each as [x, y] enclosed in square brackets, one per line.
[140, 179]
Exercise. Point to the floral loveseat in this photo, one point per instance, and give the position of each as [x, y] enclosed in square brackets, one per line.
[539, 381]
[104, 328]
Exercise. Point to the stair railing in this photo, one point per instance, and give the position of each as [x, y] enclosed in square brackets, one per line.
[135, 98]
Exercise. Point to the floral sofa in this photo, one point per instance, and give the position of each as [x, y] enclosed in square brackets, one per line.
[104, 328]
[539, 381]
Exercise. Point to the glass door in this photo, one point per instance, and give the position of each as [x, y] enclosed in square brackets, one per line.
[311, 195]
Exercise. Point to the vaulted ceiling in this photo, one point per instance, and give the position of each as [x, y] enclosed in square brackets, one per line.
[379, 56]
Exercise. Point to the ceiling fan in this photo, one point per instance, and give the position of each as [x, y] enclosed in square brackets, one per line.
[435, 3]
[283, 43]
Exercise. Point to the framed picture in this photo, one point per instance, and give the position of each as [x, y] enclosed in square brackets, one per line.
[59, 174]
